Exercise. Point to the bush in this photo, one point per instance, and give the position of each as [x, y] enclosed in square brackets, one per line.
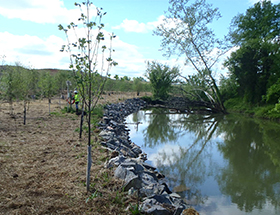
[68, 110]
[273, 93]
[237, 104]
[263, 111]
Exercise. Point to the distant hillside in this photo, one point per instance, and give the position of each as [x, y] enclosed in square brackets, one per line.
[52, 71]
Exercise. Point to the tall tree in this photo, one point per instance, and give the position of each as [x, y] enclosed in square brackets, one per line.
[259, 23]
[256, 63]
[185, 31]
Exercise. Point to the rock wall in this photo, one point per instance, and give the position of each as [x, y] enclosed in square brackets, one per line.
[139, 177]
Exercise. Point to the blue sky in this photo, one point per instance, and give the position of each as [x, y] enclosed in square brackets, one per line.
[29, 32]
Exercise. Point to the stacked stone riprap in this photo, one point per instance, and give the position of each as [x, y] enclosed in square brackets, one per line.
[114, 132]
[139, 177]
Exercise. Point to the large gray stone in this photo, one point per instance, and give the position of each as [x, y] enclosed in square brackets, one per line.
[137, 167]
[158, 210]
[162, 199]
[136, 150]
[132, 182]
[148, 178]
[116, 161]
[123, 173]
[148, 190]
[151, 206]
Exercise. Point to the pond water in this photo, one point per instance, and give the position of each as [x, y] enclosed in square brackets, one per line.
[221, 164]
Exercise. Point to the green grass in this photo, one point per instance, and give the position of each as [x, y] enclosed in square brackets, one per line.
[68, 110]
[134, 209]
[56, 114]
[237, 105]
[266, 111]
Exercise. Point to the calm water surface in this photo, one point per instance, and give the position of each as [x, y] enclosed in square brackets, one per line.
[222, 165]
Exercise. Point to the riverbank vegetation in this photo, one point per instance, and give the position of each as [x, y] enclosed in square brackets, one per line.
[251, 85]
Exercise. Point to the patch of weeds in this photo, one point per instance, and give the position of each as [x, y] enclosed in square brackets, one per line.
[134, 209]
[70, 197]
[55, 113]
[106, 177]
[104, 158]
[81, 155]
[83, 183]
[85, 128]
[68, 110]
[118, 199]
[148, 99]
[102, 150]
[92, 185]
[98, 111]
[94, 195]
[263, 111]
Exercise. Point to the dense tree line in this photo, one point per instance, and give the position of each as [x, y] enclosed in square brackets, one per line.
[21, 83]
[254, 66]
[127, 84]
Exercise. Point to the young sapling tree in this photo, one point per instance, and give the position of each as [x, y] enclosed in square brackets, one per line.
[90, 60]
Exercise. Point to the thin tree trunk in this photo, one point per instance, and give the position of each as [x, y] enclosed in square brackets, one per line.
[49, 106]
[88, 167]
[82, 120]
[24, 112]
[11, 107]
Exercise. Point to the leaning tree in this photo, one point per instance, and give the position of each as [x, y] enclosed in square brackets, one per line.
[185, 31]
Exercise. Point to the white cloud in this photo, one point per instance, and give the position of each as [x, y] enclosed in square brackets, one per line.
[51, 11]
[130, 61]
[135, 26]
[44, 53]
[32, 50]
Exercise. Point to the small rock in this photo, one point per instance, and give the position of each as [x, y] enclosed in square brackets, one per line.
[114, 154]
[15, 175]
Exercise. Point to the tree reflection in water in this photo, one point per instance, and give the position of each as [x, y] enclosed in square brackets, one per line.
[184, 167]
[251, 177]
[250, 148]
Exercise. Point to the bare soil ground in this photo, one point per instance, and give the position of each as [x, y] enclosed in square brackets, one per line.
[43, 164]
